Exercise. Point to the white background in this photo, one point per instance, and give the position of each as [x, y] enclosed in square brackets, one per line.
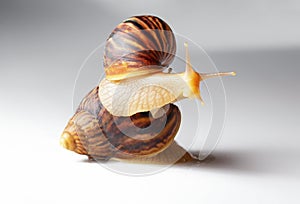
[42, 45]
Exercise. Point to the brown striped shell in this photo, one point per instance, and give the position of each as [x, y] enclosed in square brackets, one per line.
[138, 46]
[94, 132]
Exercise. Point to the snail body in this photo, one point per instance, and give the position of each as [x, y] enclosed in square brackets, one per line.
[130, 115]
[149, 92]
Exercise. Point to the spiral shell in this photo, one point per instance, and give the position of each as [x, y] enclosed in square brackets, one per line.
[94, 132]
[138, 46]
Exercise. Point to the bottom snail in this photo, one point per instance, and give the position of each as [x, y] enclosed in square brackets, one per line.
[94, 132]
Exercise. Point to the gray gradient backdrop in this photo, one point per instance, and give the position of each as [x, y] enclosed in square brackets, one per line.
[42, 45]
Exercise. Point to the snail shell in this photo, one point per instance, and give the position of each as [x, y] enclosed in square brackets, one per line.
[138, 46]
[94, 132]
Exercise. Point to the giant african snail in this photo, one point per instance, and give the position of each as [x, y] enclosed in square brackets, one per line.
[118, 119]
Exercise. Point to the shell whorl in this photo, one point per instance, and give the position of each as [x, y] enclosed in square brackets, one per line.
[139, 45]
[93, 131]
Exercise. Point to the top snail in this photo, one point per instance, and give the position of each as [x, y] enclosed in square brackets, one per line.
[136, 54]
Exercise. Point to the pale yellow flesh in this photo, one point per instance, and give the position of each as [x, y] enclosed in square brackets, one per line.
[128, 97]
[150, 92]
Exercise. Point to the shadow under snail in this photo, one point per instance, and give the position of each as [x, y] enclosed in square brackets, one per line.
[130, 115]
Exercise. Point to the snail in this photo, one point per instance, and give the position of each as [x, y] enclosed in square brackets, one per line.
[130, 115]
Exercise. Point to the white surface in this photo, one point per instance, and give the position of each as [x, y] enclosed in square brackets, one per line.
[257, 160]
[43, 172]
